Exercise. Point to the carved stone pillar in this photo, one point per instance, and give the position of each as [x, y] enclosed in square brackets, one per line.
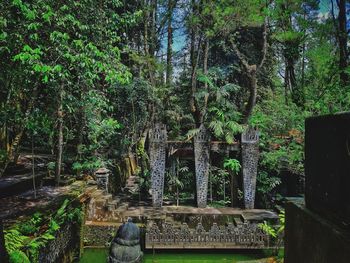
[201, 157]
[158, 139]
[250, 158]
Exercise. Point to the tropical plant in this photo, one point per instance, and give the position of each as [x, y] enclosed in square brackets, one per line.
[233, 166]
[275, 231]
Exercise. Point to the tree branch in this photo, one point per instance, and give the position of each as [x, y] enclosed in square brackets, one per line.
[264, 49]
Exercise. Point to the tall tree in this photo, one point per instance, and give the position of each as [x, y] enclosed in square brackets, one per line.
[342, 35]
[169, 62]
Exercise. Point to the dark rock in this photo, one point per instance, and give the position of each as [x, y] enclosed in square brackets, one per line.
[125, 247]
[309, 238]
[327, 166]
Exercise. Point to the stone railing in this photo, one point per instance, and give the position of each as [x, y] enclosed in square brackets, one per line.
[230, 236]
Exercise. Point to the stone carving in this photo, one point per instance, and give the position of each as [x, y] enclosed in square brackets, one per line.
[102, 178]
[242, 236]
[158, 138]
[250, 158]
[201, 156]
[125, 247]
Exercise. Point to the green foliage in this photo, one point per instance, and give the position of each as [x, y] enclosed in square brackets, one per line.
[266, 183]
[47, 47]
[272, 230]
[18, 256]
[281, 129]
[14, 240]
[32, 226]
[26, 239]
[218, 181]
[222, 116]
[233, 165]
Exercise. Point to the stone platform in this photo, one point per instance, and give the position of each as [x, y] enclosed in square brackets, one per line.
[174, 227]
[170, 226]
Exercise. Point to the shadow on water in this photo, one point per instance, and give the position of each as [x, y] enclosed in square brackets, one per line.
[95, 255]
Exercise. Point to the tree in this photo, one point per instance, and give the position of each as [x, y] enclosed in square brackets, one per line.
[234, 167]
[228, 18]
[340, 25]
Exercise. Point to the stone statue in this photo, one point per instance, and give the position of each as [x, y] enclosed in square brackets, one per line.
[125, 247]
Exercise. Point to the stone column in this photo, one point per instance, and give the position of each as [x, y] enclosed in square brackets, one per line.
[250, 158]
[158, 139]
[201, 157]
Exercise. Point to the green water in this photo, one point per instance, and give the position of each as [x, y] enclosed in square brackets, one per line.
[100, 256]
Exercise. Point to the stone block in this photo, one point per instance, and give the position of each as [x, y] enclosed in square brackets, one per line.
[327, 166]
[309, 238]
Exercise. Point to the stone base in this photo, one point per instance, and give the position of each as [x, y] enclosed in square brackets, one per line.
[309, 238]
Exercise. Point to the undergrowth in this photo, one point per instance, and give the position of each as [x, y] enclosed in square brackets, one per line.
[25, 240]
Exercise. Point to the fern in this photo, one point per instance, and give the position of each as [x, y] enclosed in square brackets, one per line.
[268, 229]
[18, 256]
[14, 240]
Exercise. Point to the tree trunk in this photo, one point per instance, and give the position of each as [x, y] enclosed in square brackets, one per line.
[252, 93]
[291, 83]
[169, 66]
[224, 186]
[251, 71]
[14, 147]
[177, 196]
[343, 39]
[234, 190]
[148, 45]
[153, 45]
[196, 113]
[33, 167]
[60, 137]
[205, 71]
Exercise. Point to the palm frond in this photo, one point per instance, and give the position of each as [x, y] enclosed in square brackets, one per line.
[191, 133]
[217, 128]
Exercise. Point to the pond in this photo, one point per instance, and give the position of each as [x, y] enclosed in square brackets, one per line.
[100, 255]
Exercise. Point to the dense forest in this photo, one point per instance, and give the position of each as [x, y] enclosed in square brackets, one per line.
[85, 80]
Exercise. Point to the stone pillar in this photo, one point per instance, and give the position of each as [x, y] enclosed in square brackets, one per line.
[158, 139]
[102, 179]
[201, 157]
[250, 158]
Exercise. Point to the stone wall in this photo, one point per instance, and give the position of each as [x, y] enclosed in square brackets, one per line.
[309, 238]
[64, 248]
[99, 235]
